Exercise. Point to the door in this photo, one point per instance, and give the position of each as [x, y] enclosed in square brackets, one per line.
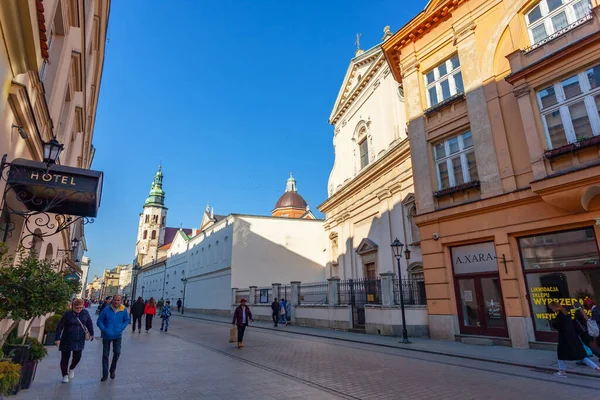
[480, 306]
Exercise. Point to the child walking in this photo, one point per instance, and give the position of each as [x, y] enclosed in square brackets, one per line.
[165, 315]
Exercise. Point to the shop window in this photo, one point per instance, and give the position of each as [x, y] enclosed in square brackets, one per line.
[559, 267]
[443, 81]
[455, 161]
[549, 17]
[570, 108]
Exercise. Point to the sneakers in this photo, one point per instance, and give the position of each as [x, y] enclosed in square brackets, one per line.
[112, 375]
[103, 378]
[166, 330]
[161, 329]
[71, 373]
[65, 379]
[560, 374]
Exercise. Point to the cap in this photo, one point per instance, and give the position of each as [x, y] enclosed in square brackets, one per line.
[242, 300]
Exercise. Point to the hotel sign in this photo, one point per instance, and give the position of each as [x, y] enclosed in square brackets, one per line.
[472, 258]
[59, 190]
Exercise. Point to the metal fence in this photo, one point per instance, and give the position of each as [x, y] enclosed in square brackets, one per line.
[413, 291]
[285, 291]
[241, 294]
[263, 295]
[313, 293]
[360, 291]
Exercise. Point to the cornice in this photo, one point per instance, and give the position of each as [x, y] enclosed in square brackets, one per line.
[392, 158]
[362, 85]
[416, 29]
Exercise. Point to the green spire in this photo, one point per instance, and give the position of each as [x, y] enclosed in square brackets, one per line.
[156, 198]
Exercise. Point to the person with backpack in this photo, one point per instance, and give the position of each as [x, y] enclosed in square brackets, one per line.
[165, 315]
[586, 331]
[593, 323]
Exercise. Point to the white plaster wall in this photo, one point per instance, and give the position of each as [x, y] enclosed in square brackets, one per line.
[270, 250]
[152, 281]
[393, 316]
[209, 291]
[381, 107]
[324, 313]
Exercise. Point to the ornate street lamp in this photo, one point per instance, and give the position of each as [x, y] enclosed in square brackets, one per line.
[184, 280]
[52, 150]
[397, 251]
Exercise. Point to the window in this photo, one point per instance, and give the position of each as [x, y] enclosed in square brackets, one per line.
[164, 220]
[155, 219]
[364, 153]
[570, 108]
[455, 161]
[153, 235]
[147, 218]
[443, 81]
[550, 16]
[145, 234]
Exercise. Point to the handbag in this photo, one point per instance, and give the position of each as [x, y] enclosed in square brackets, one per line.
[233, 334]
[592, 328]
[87, 333]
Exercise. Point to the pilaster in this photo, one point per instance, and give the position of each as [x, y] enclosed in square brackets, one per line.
[387, 289]
[333, 291]
[252, 295]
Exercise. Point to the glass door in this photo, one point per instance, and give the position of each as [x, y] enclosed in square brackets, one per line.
[480, 308]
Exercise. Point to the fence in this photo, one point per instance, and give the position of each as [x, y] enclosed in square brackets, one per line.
[263, 295]
[360, 291]
[241, 294]
[313, 293]
[413, 291]
[285, 291]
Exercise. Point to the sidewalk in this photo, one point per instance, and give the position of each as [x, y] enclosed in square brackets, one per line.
[529, 358]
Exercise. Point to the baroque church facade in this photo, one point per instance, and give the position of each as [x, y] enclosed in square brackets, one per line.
[370, 190]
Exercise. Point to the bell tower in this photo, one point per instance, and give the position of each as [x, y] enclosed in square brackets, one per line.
[153, 221]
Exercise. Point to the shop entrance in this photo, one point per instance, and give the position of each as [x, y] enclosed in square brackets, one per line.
[478, 292]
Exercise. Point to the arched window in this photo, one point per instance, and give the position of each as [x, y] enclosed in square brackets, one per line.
[147, 218]
[164, 220]
[49, 252]
[145, 234]
[153, 235]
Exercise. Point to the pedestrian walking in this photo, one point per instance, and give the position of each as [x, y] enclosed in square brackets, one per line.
[570, 347]
[594, 320]
[150, 311]
[282, 312]
[275, 308]
[585, 333]
[137, 311]
[104, 304]
[241, 316]
[165, 315]
[73, 329]
[86, 303]
[179, 303]
[112, 322]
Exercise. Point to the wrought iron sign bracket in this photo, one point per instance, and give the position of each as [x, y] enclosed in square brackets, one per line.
[503, 261]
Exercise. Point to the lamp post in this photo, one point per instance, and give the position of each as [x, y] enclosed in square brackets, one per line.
[184, 280]
[397, 250]
[143, 287]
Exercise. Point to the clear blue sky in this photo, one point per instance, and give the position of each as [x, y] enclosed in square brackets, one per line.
[229, 96]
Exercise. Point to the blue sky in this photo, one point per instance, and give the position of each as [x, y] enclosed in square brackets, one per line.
[229, 96]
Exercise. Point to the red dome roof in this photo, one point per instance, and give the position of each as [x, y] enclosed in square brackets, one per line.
[291, 200]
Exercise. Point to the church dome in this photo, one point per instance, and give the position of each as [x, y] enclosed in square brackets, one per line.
[291, 200]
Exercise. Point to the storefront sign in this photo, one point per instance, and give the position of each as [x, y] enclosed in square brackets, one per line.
[544, 295]
[472, 258]
[60, 189]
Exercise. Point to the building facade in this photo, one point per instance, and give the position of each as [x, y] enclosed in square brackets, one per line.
[502, 101]
[371, 195]
[85, 270]
[110, 281]
[126, 281]
[51, 61]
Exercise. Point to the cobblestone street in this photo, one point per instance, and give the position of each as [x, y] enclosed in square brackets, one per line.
[194, 360]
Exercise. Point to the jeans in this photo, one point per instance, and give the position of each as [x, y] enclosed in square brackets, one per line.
[275, 316]
[282, 319]
[137, 318]
[149, 321]
[165, 324]
[241, 330]
[106, 352]
[64, 360]
[562, 366]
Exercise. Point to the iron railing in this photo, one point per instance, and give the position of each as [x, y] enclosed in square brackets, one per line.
[241, 294]
[360, 291]
[313, 293]
[413, 291]
[285, 291]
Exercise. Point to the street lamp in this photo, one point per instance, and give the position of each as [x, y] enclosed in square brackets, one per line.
[52, 150]
[397, 250]
[184, 280]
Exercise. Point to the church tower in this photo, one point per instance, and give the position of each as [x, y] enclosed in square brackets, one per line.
[291, 204]
[153, 221]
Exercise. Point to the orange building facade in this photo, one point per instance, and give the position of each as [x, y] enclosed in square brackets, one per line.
[503, 101]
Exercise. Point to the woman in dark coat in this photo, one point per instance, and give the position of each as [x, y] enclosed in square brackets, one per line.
[241, 316]
[570, 346]
[70, 337]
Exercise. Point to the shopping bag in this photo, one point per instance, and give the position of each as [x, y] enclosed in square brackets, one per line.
[592, 328]
[233, 334]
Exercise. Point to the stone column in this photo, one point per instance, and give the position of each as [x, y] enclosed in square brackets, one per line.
[234, 295]
[276, 290]
[387, 289]
[333, 291]
[479, 120]
[252, 295]
[295, 299]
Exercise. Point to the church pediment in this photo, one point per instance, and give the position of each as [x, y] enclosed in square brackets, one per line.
[359, 74]
[366, 246]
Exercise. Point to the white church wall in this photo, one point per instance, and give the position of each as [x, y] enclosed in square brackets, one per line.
[209, 292]
[270, 250]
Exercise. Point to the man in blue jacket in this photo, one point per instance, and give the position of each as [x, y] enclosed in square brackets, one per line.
[112, 321]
